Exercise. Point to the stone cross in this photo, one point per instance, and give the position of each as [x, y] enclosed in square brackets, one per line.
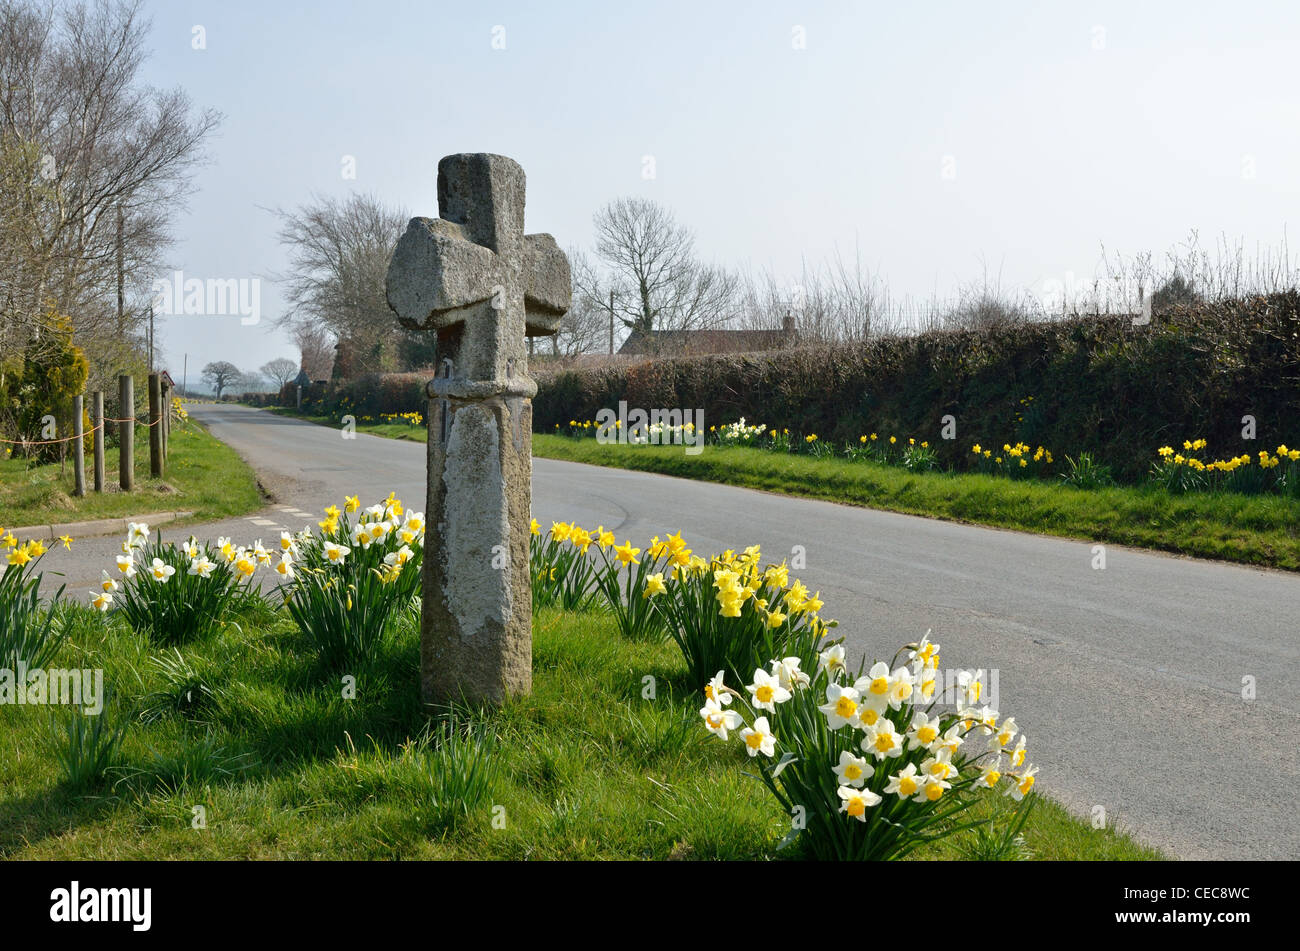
[473, 277]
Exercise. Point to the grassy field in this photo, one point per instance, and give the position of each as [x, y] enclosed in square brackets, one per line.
[1258, 530]
[388, 430]
[204, 476]
[284, 767]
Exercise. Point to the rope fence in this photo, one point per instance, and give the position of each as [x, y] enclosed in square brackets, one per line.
[93, 429]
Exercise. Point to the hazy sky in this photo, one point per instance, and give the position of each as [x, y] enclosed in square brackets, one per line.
[940, 141]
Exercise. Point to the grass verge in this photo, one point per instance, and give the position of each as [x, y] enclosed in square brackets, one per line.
[204, 476]
[1251, 529]
[284, 767]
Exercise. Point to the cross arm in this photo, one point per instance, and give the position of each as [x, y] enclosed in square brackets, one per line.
[435, 269]
[549, 288]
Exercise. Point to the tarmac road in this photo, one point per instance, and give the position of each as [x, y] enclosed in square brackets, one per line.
[1128, 680]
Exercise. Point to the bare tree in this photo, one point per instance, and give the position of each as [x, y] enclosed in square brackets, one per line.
[657, 281]
[338, 260]
[221, 376]
[279, 371]
[106, 161]
[316, 350]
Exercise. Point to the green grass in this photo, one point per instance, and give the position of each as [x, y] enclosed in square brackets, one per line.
[285, 767]
[204, 476]
[1252, 529]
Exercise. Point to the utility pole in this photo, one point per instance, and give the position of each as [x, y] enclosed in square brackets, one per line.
[121, 273]
[151, 367]
[611, 321]
[185, 376]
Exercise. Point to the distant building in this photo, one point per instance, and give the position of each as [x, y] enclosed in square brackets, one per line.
[702, 342]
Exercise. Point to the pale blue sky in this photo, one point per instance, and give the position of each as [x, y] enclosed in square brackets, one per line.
[1067, 125]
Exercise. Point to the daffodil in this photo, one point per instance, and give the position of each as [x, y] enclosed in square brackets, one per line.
[716, 691]
[905, 782]
[831, 660]
[923, 731]
[767, 691]
[857, 801]
[654, 584]
[759, 738]
[100, 600]
[719, 721]
[126, 565]
[1023, 782]
[882, 740]
[202, 567]
[626, 553]
[852, 770]
[106, 582]
[160, 571]
[787, 671]
[841, 706]
[335, 553]
[67, 541]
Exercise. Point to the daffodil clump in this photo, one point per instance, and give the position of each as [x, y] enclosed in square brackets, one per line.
[872, 766]
[179, 593]
[410, 419]
[741, 433]
[563, 574]
[1016, 460]
[730, 612]
[28, 633]
[349, 577]
[1188, 470]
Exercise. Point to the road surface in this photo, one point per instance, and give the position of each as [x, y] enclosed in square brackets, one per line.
[1127, 680]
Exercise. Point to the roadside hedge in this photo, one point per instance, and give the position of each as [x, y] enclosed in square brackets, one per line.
[1098, 384]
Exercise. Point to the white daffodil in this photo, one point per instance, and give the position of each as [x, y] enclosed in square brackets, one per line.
[901, 683]
[100, 600]
[160, 571]
[227, 549]
[1017, 755]
[953, 738]
[990, 775]
[926, 683]
[1005, 733]
[841, 706]
[719, 721]
[831, 660]
[202, 567]
[787, 671]
[857, 801]
[923, 732]
[378, 530]
[285, 567]
[867, 717]
[106, 582]
[191, 548]
[971, 686]
[137, 534]
[399, 557]
[287, 542]
[414, 522]
[375, 512]
[926, 654]
[715, 691]
[882, 740]
[1022, 783]
[245, 564]
[932, 789]
[767, 691]
[126, 565]
[361, 536]
[260, 554]
[874, 686]
[852, 770]
[759, 738]
[336, 553]
[939, 766]
[905, 782]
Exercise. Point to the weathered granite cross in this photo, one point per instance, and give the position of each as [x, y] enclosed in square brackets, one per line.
[475, 278]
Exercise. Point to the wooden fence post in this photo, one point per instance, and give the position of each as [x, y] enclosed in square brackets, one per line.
[155, 427]
[126, 432]
[97, 421]
[79, 455]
